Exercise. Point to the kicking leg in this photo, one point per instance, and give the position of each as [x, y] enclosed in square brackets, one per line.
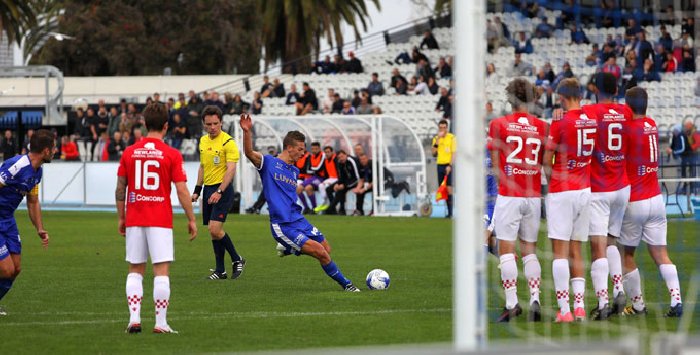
[317, 251]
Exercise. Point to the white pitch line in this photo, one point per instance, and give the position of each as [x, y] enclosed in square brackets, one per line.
[202, 315]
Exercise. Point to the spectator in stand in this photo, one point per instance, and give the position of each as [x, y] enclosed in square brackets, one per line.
[417, 55]
[102, 120]
[643, 48]
[8, 145]
[544, 29]
[266, 88]
[665, 39]
[69, 150]
[608, 51]
[490, 113]
[237, 104]
[75, 121]
[401, 86]
[433, 87]
[429, 41]
[549, 72]
[257, 104]
[336, 104]
[327, 66]
[647, 72]
[688, 26]
[520, 67]
[421, 87]
[115, 148]
[564, 74]
[137, 134]
[354, 64]
[194, 122]
[504, 32]
[612, 68]
[688, 62]
[668, 17]
[181, 102]
[277, 89]
[178, 131]
[114, 120]
[629, 79]
[633, 27]
[327, 103]
[365, 108]
[490, 70]
[412, 85]
[214, 100]
[443, 69]
[685, 41]
[375, 86]
[541, 78]
[444, 105]
[307, 101]
[671, 64]
[522, 44]
[492, 39]
[125, 123]
[156, 97]
[91, 131]
[123, 106]
[355, 101]
[577, 35]
[347, 108]
[293, 95]
[338, 64]
[395, 75]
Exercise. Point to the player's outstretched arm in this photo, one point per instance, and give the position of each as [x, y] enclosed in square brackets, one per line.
[120, 197]
[186, 202]
[247, 127]
[34, 209]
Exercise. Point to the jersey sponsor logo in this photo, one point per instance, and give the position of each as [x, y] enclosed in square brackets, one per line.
[523, 120]
[604, 158]
[150, 145]
[285, 179]
[573, 164]
[134, 197]
[613, 115]
[643, 170]
[510, 171]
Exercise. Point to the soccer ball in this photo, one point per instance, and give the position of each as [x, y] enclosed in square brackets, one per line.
[378, 279]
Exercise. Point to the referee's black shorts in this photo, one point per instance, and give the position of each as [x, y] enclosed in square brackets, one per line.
[441, 174]
[218, 211]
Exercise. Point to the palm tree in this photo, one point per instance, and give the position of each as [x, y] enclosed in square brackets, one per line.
[292, 29]
[16, 17]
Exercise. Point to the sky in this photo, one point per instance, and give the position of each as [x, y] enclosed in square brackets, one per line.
[392, 13]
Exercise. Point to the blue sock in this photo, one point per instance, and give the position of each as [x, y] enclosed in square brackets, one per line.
[5, 285]
[219, 252]
[332, 270]
[228, 245]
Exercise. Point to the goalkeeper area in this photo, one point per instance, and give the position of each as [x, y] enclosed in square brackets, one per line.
[76, 300]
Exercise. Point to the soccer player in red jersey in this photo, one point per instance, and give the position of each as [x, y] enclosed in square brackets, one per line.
[567, 160]
[610, 192]
[516, 144]
[145, 173]
[645, 216]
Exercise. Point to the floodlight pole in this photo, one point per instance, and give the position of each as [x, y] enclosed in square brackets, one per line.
[469, 301]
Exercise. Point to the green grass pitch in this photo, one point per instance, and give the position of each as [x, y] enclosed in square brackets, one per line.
[70, 298]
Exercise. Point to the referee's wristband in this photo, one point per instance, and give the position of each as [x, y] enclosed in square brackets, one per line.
[197, 189]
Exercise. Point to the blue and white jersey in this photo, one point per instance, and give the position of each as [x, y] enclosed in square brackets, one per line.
[491, 187]
[279, 181]
[19, 179]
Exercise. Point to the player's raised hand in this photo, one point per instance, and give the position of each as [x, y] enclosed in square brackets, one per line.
[192, 229]
[246, 122]
[44, 235]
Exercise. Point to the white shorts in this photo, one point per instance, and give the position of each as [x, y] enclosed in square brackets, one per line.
[568, 215]
[607, 211]
[644, 220]
[517, 217]
[144, 241]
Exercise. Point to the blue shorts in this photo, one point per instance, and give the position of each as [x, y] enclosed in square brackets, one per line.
[218, 211]
[9, 238]
[295, 234]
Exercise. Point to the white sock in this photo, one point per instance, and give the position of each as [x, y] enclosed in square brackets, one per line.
[560, 272]
[670, 275]
[615, 266]
[322, 195]
[632, 283]
[161, 297]
[509, 277]
[578, 286]
[599, 276]
[533, 273]
[134, 295]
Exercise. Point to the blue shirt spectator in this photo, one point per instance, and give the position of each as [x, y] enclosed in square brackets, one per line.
[522, 44]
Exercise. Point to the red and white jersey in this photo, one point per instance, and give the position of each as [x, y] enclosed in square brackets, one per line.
[150, 167]
[643, 158]
[518, 138]
[608, 164]
[572, 139]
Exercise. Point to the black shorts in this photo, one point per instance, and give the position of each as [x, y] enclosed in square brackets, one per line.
[218, 211]
[441, 174]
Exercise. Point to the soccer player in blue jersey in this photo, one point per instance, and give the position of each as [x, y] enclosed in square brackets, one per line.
[19, 177]
[279, 180]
